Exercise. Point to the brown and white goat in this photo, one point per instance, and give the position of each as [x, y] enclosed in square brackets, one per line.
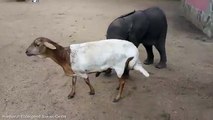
[91, 57]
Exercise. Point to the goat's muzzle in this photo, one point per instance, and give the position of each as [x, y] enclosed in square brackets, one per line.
[28, 54]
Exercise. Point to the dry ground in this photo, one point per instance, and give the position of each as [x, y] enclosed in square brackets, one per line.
[32, 86]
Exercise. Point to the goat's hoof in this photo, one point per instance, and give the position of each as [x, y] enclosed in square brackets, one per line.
[91, 93]
[116, 100]
[71, 96]
[148, 62]
[161, 65]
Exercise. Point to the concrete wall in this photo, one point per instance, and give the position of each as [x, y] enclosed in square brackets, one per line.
[200, 13]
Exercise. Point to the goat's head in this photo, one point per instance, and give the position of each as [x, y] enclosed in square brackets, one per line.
[40, 46]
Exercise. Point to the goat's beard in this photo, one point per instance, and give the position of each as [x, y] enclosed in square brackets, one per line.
[41, 56]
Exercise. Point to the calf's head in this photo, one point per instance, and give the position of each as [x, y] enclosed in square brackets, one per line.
[41, 46]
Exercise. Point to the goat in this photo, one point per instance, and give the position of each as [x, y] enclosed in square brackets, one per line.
[79, 60]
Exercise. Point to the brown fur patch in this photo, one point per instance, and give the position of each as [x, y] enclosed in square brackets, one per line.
[61, 56]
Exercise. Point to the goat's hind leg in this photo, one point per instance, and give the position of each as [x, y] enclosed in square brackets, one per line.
[121, 87]
[125, 76]
[92, 91]
[122, 74]
[72, 93]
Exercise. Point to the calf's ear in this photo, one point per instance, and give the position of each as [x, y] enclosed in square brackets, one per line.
[49, 45]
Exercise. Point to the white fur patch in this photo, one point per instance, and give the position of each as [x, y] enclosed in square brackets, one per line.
[100, 55]
[41, 56]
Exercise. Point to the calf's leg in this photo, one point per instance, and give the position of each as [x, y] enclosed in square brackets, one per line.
[107, 72]
[160, 46]
[149, 60]
[162, 51]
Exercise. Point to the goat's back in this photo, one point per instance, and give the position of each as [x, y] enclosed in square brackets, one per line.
[101, 55]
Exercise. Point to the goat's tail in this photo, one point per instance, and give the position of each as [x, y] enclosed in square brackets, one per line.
[139, 68]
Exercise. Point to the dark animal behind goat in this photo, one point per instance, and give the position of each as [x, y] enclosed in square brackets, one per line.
[148, 27]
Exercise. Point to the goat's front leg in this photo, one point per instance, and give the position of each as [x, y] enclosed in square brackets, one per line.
[72, 93]
[92, 91]
[121, 87]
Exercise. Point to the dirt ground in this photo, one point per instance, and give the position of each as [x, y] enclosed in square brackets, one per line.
[34, 88]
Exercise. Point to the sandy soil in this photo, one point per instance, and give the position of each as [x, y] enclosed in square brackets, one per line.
[34, 88]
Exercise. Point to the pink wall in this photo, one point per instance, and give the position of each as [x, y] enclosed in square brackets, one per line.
[199, 4]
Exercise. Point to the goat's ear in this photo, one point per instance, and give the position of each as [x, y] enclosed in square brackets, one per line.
[49, 45]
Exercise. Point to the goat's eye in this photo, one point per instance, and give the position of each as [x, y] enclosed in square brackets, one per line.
[36, 45]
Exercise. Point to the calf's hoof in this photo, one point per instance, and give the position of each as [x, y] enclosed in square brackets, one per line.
[70, 96]
[148, 61]
[161, 65]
